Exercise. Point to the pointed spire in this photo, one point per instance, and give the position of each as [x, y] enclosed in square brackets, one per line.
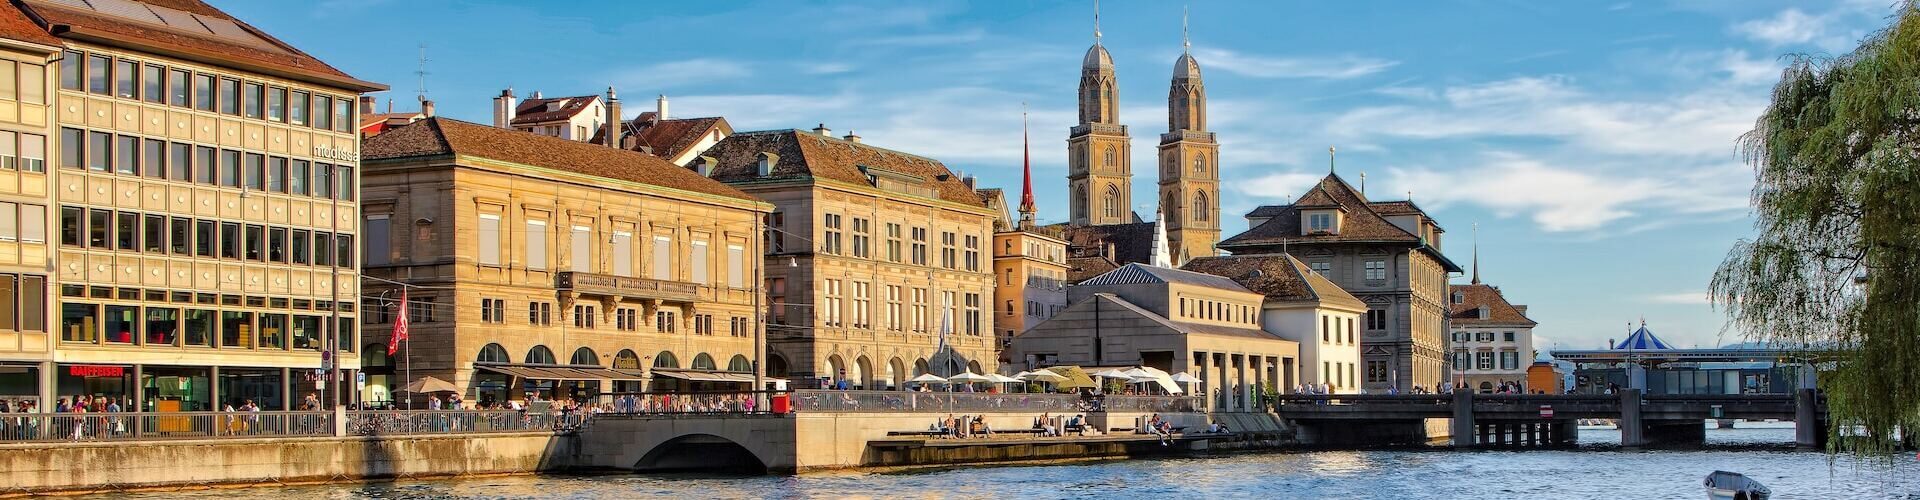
[1026, 173]
[1476, 253]
[1186, 41]
[1329, 160]
[1096, 22]
[1161, 256]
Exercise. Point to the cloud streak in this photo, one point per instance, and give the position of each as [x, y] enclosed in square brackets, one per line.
[1258, 66]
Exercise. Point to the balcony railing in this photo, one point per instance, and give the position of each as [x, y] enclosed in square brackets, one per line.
[625, 286]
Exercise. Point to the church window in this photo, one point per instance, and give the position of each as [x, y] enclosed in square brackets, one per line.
[1200, 165]
[1111, 202]
[1200, 211]
[1112, 156]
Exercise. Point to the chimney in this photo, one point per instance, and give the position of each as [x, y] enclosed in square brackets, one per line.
[767, 162]
[426, 107]
[367, 104]
[852, 137]
[389, 105]
[614, 127]
[503, 106]
[660, 108]
[823, 130]
[536, 95]
[968, 180]
[1522, 309]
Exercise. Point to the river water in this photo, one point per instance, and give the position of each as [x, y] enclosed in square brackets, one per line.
[1597, 470]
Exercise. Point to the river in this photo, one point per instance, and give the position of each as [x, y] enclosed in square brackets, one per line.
[1598, 470]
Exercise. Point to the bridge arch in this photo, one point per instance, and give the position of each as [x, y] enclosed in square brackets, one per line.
[701, 452]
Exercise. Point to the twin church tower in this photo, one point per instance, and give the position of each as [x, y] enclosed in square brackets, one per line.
[1099, 165]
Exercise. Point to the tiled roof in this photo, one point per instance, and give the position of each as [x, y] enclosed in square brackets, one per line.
[1396, 208]
[15, 25]
[807, 154]
[535, 110]
[189, 29]
[441, 136]
[1467, 311]
[1136, 273]
[1082, 268]
[1361, 222]
[1266, 211]
[1277, 276]
[1132, 242]
[1186, 327]
[671, 138]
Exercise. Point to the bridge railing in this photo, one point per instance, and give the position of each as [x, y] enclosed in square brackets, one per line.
[135, 426]
[1347, 399]
[414, 422]
[933, 402]
[699, 403]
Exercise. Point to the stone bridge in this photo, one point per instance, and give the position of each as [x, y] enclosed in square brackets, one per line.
[1539, 419]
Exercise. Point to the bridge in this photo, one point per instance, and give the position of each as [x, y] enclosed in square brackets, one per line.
[1541, 419]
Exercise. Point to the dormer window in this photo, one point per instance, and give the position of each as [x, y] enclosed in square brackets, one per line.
[1484, 314]
[1459, 297]
[1320, 222]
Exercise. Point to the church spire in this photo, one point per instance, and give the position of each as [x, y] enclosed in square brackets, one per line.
[1026, 174]
[1186, 42]
[1161, 254]
[1476, 253]
[1096, 22]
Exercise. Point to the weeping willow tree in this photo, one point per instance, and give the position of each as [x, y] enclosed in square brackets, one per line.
[1836, 261]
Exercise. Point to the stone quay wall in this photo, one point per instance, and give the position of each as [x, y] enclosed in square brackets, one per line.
[43, 468]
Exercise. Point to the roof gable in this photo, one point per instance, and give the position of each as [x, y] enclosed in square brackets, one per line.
[803, 154]
[1466, 311]
[549, 109]
[189, 29]
[442, 136]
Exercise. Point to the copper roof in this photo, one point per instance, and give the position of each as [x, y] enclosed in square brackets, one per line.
[189, 29]
[443, 136]
[806, 154]
[1137, 273]
[1466, 312]
[535, 110]
[1279, 277]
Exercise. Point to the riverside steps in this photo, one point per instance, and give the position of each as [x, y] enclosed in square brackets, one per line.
[1540, 420]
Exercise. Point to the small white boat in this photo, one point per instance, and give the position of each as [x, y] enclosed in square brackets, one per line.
[1723, 485]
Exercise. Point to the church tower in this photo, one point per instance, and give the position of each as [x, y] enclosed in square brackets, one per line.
[1189, 164]
[1099, 174]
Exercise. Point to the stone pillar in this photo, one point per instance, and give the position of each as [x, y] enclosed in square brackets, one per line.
[1633, 429]
[1808, 431]
[1224, 390]
[48, 375]
[1566, 432]
[139, 390]
[1199, 369]
[286, 389]
[1463, 428]
[213, 387]
[1240, 382]
[1636, 377]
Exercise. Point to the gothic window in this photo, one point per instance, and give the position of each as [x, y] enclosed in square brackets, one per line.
[1200, 165]
[1080, 200]
[1170, 208]
[1172, 163]
[1200, 206]
[1112, 156]
[1111, 202]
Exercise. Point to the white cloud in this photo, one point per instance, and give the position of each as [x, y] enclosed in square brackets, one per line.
[922, 39]
[1275, 186]
[1696, 297]
[1788, 27]
[1560, 198]
[826, 68]
[669, 74]
[1330, 68]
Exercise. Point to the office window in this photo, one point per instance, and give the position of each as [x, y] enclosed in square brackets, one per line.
[276, 104]
[153, 229]
[862, 237]
[126, 155]
[736, 266]
[893, 308]
[126, 231]
[1376, 269]
[862, 305]
[99, 68]
[662, 258]
[99, 222]
[253, 97]
[919, 246]
[203, 92]
[948, 255]
[343, 250]
[254, 169]
[698, 262]
[666, 322]
[581, 241]
[420, 310]
[33, 86]
[584, 316]
[229, 240]
[236, 329]
[10, 81]
[297, 108]
[277, 174]
[9, 158]
[229, 168]
[203, 238]
[297, 245]
[73, 146]
[536, 243]
[297, 177]
[163, 326]
[9, 217]
[277, 245]
[99, 155]
[830, 303]
[626, 319]
[71, 71]
[178, 85]
[33, 223]
[322, 249]
[776, 238]
[153, 83]
[893, 242]
[830, 243]
[255, 238]
[623, 253]
[323, 180]
[493, 311]
[488, 246]
[920, 310]
[273, 333]
[322, 120]
[126, 79]
[204, 164]
[342, 117]
[344, 176]
[229, 96]
[973, 253]
[153, 158]
[540, 313]
[33, 153]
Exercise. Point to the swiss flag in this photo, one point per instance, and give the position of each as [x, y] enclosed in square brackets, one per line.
[399, 326]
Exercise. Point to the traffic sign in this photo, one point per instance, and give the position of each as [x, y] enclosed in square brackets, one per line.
[1546, 411]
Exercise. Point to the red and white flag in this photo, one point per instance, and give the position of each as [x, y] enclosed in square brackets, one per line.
[399, 326]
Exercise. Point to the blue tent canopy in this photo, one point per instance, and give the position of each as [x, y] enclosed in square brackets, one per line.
[1642, 339]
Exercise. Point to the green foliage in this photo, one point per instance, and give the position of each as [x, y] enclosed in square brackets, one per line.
[1836, 261]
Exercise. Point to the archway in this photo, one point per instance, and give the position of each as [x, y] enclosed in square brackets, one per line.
[701, 452]
[703, 361]
[1486, 387]
[540, 355]
[920, 367]
[777, 366]
[864, 377]
[836, 370]
[897, 373]
[493, 353]
[665, 360]
[584, 356]
[974, 366]
[626, 360]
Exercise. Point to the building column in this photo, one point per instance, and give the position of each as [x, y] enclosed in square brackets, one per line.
[139, 390]
[1225, 390]
[286, 388]
[1240, 377]
[1197, 366]
[1259, 381]
[48, 376]
[213, 387]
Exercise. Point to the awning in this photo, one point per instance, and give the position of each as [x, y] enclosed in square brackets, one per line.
[704, 376]
[551, 372]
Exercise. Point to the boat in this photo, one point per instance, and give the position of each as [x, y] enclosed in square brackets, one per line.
[1723, 485]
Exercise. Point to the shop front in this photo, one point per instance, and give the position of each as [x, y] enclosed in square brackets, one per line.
[672, 380]
[105, 383]
[582, 384]
[174, 388]
[20, 384]
[264, 387]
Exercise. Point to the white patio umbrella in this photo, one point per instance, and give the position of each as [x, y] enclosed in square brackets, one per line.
[968, 378]
[1003, 380]
[1186, 381]
[928, 378]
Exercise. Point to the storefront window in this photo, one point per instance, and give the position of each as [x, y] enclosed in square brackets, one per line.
[273, 331]
[346, 334]
[170, 388]
[236, 329]
[162, 325]
[93, 381]
[197, 328]
[79, 323]
[122, 324]
[262, 387]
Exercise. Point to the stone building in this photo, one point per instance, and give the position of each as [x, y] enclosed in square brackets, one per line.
[1385, 253]
[1031, 271]
[564, 268]
[1491, 340]
[1173, 320]
[875, 258]
[27, 64]
[1304, 307]
[207, 190]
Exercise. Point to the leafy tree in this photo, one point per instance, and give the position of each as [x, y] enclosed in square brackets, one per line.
[1836, 261]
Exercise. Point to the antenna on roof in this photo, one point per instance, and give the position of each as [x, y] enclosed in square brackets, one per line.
[1363, 183]
[1186, 41]
[422, 72]
[1096, 22]
[1476, 253]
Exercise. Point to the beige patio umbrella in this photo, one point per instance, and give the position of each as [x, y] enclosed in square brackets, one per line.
[430, 384]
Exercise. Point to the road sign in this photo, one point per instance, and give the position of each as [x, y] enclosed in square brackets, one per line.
[1546, 411]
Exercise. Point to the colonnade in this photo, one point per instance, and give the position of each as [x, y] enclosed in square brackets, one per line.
[1233, 381]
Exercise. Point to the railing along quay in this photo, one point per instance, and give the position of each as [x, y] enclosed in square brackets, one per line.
[970, 402]
[144, 426]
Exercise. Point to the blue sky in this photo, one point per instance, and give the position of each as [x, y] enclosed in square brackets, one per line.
[1592, 142]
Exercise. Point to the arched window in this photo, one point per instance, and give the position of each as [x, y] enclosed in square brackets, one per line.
[375, 356]
[1113, 156]
[1080, 201]
[1111, 202]
[493, 353]
[704, 362]
[1200, 164]
[585, 356]
[739, 364]
[1200, 212]
[626, 360]
[1170, 207]
[665, 360]
[540, 355]
[776, 365]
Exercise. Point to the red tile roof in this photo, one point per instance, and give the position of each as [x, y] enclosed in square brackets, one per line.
[535, 110]
[671, 138]
[1499, 312]
[807, 154]
[15, 25]
[167, 26]
[443, 136]
[1279, 277]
